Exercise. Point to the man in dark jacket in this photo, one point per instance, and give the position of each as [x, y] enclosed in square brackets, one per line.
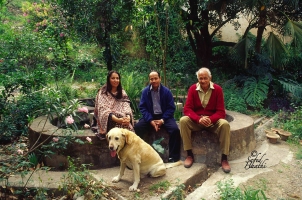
[157, 108]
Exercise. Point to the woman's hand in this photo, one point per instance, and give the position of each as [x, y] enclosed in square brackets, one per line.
[125, 121]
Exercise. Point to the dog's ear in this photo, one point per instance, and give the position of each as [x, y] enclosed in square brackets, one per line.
[128, 136]
[107, 137]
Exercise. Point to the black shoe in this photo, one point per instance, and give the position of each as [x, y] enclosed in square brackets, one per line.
[94, 129]
[171, 160]
[101, 136]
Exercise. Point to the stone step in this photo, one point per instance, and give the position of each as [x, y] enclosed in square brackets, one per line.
[176, 176]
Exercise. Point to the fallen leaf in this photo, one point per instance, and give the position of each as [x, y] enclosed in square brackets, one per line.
[293, 196]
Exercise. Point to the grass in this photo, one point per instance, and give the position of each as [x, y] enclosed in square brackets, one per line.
[299, 154]
[160, 187]
[228, 191]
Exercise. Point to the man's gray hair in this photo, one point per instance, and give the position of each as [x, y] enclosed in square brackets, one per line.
[203, 69]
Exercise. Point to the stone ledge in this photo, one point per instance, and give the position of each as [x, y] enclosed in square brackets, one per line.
[205, 146]
[97, 153]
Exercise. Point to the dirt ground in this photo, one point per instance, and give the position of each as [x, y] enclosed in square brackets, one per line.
[284, 181]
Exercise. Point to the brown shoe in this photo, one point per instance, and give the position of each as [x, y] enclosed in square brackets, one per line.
[225, 166]
[188, 162]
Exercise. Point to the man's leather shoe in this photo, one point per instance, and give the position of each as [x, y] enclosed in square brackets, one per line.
[188, 162]
[225, 166]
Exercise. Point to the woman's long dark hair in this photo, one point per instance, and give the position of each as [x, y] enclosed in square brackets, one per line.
[119, 94]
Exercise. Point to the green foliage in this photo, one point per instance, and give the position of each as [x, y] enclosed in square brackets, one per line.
[33, 159]
[299, 154]
[67, 92]
[236, 103]
[80, 182]
[276, 50]
[294, 30]
[60, 110]
[227, 191]
[291, 86]
[157, 146]
[179, 95]
[251, 88]
[241, 51]
[16, 112]
[132, 83]
[178, 113]
[141, 66]
[179, 82]
[292, 122]
[160, 186]
[233, 98]
[178, 193]
[23, 81]
[255, 91]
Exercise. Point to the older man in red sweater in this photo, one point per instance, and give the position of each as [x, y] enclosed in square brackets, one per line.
[204, 109]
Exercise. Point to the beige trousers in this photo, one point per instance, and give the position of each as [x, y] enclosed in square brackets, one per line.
[221, 128]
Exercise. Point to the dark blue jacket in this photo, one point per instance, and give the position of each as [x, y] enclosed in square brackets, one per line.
[166, 103]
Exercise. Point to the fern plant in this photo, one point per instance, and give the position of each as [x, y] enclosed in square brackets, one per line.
[291, 86]
[255, 90]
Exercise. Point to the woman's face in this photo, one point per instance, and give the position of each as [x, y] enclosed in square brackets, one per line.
[114, 80]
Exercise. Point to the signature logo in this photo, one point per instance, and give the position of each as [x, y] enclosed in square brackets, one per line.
[256, 160]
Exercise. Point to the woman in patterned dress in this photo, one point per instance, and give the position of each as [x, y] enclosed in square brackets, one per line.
[112, 106]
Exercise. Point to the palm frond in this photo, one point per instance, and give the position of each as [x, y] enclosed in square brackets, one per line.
[276, 50]
[240, 51]
[294, 30]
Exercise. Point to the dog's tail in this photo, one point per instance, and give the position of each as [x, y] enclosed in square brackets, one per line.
[170, 165]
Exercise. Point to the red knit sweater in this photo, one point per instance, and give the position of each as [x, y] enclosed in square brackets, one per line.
[215, 108]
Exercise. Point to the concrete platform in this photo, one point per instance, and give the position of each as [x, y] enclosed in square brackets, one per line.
[175, 176]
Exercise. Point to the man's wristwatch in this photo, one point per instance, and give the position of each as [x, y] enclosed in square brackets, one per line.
[162, 121]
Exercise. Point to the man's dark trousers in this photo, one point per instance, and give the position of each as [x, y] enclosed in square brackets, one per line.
[142, 127]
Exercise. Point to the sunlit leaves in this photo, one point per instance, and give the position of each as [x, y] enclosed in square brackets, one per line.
[294, 30]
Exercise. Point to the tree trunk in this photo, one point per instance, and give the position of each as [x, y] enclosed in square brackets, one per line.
[200, 39]
[103, 14]
[261, 27]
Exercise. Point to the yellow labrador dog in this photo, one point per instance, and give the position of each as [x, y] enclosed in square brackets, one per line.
[136, 154]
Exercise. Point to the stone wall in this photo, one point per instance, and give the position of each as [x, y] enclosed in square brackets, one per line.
[205, 145]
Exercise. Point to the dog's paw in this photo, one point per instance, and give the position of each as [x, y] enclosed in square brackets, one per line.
[116, 179]
[133, 188]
